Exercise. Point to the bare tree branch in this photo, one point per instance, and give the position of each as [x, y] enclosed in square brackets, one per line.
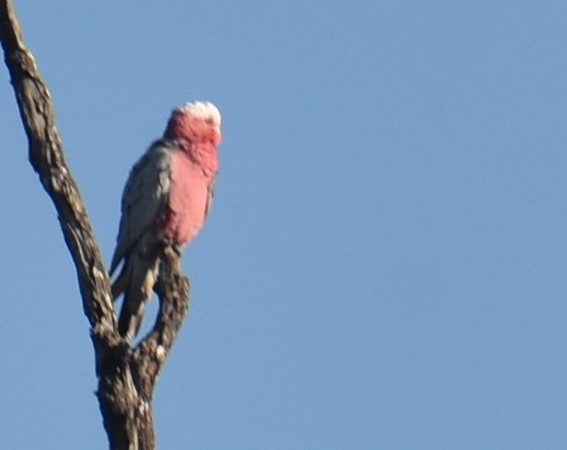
[46, 157]
[127, 375]
[134, 387]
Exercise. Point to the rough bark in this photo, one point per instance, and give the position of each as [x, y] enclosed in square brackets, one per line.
[127, 375]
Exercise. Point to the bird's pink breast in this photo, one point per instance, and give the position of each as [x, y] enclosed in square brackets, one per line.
[187, 199]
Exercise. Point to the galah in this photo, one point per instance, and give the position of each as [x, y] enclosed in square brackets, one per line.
[165, 202]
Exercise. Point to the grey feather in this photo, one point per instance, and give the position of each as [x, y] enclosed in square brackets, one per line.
[210, 196]
[144, 197]
[138, 277]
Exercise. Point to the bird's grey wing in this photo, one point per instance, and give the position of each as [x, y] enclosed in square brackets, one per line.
[210, 196]
[145, 195]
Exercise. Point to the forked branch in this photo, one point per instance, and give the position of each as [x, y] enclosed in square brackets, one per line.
[126, 375]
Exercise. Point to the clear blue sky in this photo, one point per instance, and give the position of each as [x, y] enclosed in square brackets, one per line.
[385, 265]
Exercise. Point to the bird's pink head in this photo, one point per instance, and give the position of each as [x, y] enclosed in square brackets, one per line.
[196, 122]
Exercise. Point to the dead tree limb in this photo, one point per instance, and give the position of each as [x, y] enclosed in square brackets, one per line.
[127, 375]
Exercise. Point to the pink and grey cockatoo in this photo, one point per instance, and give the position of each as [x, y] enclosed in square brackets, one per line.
[165, 202]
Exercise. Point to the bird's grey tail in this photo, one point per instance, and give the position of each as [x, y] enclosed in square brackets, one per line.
[129, 321]
[137, 281]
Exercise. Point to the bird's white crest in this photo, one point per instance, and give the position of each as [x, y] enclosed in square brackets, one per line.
[201, 110]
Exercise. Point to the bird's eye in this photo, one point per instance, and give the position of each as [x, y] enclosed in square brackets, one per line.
[210, 121]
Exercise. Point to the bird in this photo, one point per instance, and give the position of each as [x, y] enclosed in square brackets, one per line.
[166, 199]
